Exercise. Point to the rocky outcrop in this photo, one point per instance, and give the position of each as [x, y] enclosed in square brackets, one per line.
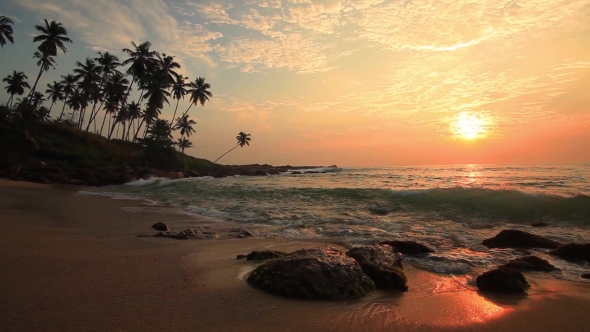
[316, 274]
[530, 263]
[383, 264]
[409, 247]
[202, 234]
[573, 251]
[518, 239]
[503, 280]
[264, 255]
[160, 226]
[585, 276]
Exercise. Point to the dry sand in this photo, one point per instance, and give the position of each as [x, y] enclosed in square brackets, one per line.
[73, 262]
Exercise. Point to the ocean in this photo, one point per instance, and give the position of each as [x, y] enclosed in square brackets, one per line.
[449, 208]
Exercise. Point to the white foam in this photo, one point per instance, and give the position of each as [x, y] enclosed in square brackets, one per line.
[142, 182]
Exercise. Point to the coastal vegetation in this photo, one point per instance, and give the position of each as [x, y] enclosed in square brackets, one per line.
[101, 123]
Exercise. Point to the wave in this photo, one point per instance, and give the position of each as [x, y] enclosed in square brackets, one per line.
[316, 170]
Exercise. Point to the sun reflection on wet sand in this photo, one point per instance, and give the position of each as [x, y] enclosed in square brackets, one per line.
[433, 300]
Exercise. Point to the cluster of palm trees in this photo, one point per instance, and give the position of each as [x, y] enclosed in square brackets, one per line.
[103, 85]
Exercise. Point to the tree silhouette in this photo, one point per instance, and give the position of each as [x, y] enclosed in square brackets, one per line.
[5, 30]
[242, 138]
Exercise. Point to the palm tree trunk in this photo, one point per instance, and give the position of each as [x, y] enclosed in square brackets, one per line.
[138, 129]
[63, 108]
[123, 132]
[81, 118]
[176, 108]
[103, 121]
[36, 81]
[112, 129]
[10, 101]
[226, 153]
[50, 107]
[185, 113]
[92, 116]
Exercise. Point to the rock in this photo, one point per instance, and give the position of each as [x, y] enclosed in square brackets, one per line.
[409, 247]
[241, 256]
[503, 281]
[296, 172]
[320, 274]
[573, 251]
[383, 264]
[529, 263]
[264, 255]
[511, 238]
[585, 276]
[160, 226]
[260, 173]
[540, 224]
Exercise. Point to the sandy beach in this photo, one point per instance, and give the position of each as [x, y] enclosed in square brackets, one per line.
[73, 262]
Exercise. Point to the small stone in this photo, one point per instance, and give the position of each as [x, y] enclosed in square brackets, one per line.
[409, 247]
[160, 226]
[510, 238]
[573, 251]
[241, 256]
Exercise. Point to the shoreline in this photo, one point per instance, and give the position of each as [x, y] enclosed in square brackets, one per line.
[74, 263]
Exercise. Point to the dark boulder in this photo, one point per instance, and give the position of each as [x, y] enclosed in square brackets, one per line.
[319, 274]
[383, 264]
[540, 224]
[573, 251]
[260, 173]
[511, 238]
[160, 226]
[296, 172]
[529, 263]
[241, 256]
[586, 276]
[409, 247]
[503, 280]
[264, 255]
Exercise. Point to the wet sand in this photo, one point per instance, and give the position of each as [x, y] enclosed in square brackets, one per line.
[73, 263]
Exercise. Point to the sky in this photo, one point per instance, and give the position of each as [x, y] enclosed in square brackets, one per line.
[352, 82]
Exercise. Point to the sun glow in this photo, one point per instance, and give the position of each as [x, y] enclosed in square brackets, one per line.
[469, 126]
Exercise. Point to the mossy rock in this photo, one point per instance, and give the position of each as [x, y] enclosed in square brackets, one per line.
[383, 264]
[503, 280]
[314, 274]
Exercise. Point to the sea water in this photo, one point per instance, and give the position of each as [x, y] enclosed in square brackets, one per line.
[449, 208]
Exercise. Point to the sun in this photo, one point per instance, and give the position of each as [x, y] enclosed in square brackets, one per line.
[469, 126]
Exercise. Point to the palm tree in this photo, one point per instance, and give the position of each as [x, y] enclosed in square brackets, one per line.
[178, 91]
[88, 74]
[160, 131]
[166, 66]
[157, 95]
[107, 63]
[115, 91]
[45, 62]
[5, 30]
[37, 99]
[55, 92]
[133, 113]
[140, 58]
[186, 126]
[242, 138]
[17, 82]
[68, 84]
[53, 36]
[184, 143]
[77, 102]
[199, 93]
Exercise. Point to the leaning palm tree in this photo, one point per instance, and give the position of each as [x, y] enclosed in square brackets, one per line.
[184, 143]
[133, 113]
[242, 138]
[68, 84]
[185, 125]
[178, 91]
[5, 30]
[199, 93]
[166, 65]
[54, 92]
[17, 82]
[45, 62]
[53, 36]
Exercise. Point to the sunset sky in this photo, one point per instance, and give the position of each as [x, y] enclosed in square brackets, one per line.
[353, 82]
